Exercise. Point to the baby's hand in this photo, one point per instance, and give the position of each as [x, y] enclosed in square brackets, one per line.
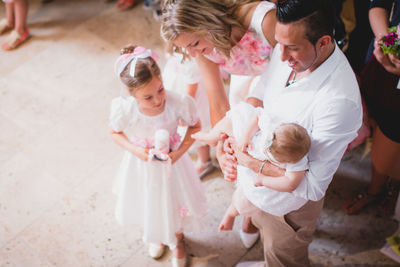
[258, 181]
[244, 144]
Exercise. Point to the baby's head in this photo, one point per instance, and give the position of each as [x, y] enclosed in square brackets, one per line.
[290, 143]
[136, 67]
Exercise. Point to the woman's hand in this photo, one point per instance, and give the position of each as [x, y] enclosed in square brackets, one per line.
[390, 62]
[226, 159]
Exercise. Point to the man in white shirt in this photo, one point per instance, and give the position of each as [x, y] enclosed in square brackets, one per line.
[309, 81]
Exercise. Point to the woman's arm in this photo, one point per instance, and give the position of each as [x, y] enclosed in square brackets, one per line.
[287, 183]
[121, 140]
[268, 27]
[217, 97]
[379, 21]
[186, 143]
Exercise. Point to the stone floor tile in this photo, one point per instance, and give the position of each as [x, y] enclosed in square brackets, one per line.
[17, 253]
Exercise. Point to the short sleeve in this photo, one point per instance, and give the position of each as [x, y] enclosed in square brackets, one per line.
[191, 72]
[187, 110]
[301, 165]
[120, 113]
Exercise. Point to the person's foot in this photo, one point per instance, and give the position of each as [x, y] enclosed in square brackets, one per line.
[249, 234]
[5, 26]
[15, 39]
[206, 138]
[156, 250]
[227, 223]
[179, 255]
[359, 201]
[204, 168]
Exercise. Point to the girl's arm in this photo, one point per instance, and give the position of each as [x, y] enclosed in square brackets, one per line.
[186, 143]
[217, 97]
[287, 183]
[121, 140]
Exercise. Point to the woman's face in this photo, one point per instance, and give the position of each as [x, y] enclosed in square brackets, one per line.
[194, 44]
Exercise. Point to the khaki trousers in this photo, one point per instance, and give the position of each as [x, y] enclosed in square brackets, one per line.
[286, 238]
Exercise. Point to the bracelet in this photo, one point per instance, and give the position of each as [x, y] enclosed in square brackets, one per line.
[262, 166]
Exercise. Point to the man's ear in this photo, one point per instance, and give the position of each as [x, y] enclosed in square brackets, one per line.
[324, 41]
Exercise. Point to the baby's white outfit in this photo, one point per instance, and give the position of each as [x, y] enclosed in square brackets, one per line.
[240, 114]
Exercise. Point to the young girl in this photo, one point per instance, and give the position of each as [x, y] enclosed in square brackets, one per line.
[285, 145]
[164, 197]
[185, 77]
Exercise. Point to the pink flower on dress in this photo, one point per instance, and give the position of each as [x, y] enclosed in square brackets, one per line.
[182, 211]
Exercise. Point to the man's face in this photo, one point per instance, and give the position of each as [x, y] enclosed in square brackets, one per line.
[300, 54]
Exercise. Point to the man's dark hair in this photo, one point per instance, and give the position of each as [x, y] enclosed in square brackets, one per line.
[318, 16]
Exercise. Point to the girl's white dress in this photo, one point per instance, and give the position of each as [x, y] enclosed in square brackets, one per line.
[162, 198]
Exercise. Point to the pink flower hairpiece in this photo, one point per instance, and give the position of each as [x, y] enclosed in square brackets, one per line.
[139, 53]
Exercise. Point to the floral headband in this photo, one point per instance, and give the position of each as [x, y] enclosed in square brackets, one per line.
[139, 53]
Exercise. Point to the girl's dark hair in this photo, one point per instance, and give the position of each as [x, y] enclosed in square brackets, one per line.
[318, 16]
[146, 69]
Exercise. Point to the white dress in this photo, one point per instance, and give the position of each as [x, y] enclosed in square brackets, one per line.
[240, 114]
[177, 75]
[162, 198]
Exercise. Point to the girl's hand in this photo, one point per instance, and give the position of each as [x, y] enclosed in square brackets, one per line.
[244, 144]
[142, 153]
[174, 156]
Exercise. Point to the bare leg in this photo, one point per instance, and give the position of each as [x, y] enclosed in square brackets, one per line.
[203, 154]
[10, 13]
[212, 137]
[248, 227]
[21, 13]
[179, 251]
[229, 219]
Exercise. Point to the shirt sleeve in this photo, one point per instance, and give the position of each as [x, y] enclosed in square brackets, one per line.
[119, 113]
[386, 4]
[335, 125]
[187, 110]
[301, 165]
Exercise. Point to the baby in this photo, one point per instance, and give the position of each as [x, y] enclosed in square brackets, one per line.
[285, 145]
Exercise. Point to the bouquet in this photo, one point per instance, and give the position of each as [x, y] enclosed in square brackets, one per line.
[390, 43]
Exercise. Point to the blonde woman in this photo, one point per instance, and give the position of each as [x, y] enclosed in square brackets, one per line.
[237, 36]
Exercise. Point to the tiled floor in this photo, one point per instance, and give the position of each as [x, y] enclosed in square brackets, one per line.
[57, 161]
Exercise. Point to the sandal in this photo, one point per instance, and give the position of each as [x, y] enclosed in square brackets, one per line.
[125, 4]
[4, 26]
[362, 199]
[206, 168]
[15, 39]
[388, 203]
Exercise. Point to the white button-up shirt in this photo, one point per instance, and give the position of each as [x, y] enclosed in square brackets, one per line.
[327, 103]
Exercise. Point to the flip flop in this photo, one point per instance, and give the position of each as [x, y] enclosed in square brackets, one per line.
[15, 39]
[359, 201]
[125, 4]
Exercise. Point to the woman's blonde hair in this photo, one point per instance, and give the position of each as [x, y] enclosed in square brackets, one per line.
[211, 19]
[146, 69]
[290, 144]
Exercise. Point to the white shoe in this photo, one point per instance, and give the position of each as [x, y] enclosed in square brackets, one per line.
[249, 240]
[181, 262]
[250, 263]
[156, 250]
